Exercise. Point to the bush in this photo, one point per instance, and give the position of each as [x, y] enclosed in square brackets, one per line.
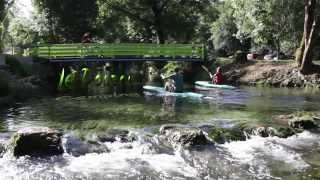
[16, 67]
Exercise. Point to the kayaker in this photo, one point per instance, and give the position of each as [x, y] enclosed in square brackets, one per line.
[86, 38]
[177, 79]
[217, 78]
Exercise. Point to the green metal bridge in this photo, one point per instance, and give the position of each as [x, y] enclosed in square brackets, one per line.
[118, 52]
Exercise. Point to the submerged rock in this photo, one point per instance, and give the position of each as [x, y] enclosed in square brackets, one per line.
[184, 136]
[36, 142]
[77, 147]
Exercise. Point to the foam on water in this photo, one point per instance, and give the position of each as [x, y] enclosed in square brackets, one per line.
[260, 153]
[121, 163]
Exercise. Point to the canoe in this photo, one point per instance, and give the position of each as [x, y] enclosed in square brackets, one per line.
[161, 92]
[206, 85]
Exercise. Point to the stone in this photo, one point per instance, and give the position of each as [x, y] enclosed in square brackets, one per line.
[36, 142]
[264, 131]
[77, 147]
[285, 132]
[184, 136]
[113, 135]
[303, 123]
[2, 149]
[223, 135]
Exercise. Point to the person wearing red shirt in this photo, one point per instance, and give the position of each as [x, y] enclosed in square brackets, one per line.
[217, 78]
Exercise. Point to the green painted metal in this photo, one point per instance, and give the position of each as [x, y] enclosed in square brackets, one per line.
[108, 50]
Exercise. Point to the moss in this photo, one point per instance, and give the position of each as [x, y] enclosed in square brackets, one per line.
[220, 135]
[284, 132]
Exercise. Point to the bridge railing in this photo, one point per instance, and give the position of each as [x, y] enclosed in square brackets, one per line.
[120, 50]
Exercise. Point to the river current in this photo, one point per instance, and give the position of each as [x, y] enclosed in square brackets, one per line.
[296, 157]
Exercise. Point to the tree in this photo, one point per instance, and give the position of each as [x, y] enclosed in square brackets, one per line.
[259, 24]
[304, 52]
[5, 6]
[160, 20]
[68, 20]
[224, 30]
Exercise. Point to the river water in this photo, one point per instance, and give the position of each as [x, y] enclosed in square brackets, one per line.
[297, 157]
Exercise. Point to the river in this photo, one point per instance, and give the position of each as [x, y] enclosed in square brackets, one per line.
[297, 157]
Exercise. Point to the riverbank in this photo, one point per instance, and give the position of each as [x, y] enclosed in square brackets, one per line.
[21, 79]
[269, 73]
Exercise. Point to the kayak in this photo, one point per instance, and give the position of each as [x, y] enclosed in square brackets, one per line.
[206, 85]
[160, 91]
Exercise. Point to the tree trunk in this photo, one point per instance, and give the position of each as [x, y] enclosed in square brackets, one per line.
[157, 11]
[304, 52]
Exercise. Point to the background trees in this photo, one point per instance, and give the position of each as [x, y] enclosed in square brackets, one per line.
[157, 20]
[68, 20]
[5, 6]
[304, 54]
[262, 26]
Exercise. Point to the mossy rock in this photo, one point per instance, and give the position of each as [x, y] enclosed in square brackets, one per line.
[285, 132]
[36, 142]
[223, 135]
[185, 136]
[303, 123]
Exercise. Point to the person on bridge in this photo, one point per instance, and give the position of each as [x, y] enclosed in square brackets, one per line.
[217, 78]
[86, 38]
[175, 82]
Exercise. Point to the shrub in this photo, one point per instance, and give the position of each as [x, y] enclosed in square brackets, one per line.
[16, 67]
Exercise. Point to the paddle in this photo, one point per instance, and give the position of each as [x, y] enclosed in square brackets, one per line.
[207, 70]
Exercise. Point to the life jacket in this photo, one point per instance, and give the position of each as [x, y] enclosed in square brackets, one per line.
[218, 78]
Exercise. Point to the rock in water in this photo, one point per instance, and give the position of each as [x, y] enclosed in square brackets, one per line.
[303, 123]
[184, 136]
[36, 142]
[113, 135]
[2, 149]
[77, 147]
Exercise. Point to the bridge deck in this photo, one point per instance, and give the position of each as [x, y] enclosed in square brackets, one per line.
[119, 52]
[102, 59]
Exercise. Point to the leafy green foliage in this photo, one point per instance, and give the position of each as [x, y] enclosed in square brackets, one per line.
[271, 24]
[68, 20]
[155, 20]
[16, 67]
[5, 6]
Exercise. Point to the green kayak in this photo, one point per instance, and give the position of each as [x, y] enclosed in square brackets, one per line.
[161, 92]
[206, 85]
